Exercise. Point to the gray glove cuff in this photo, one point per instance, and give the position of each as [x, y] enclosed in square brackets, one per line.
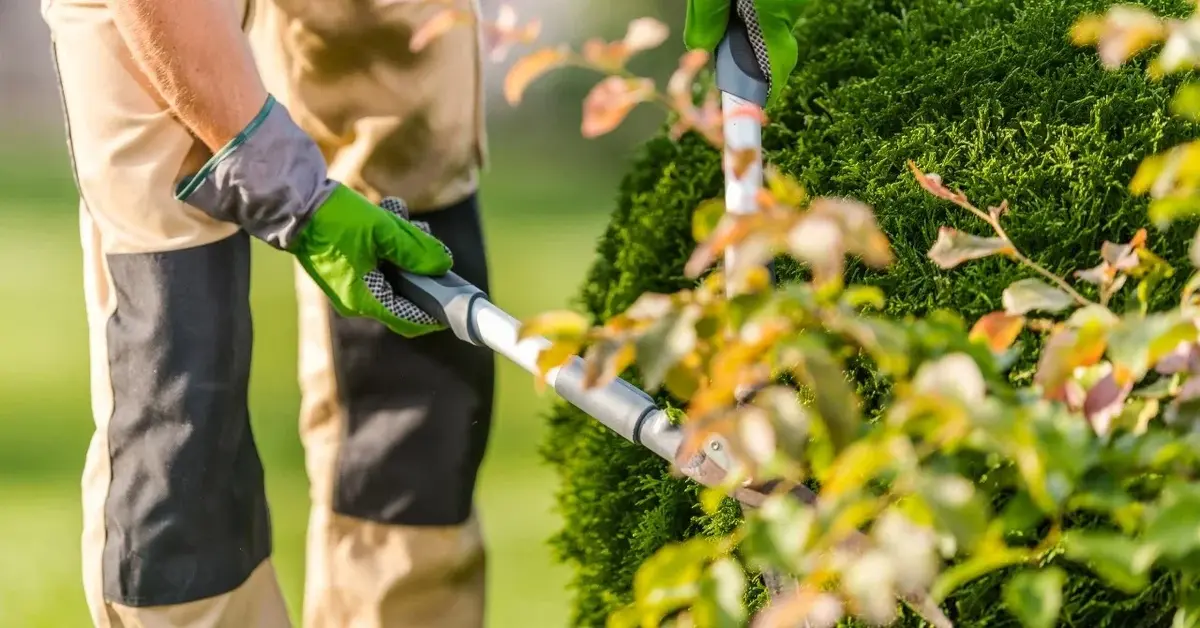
[269, 179]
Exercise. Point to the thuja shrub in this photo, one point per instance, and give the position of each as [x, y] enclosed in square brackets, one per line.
[989, 93]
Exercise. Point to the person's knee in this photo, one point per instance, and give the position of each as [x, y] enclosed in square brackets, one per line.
[185, 512]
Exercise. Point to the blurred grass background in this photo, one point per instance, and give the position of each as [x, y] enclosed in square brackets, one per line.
[542, 214]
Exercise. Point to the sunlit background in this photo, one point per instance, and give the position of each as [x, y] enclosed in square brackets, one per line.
[546, 200]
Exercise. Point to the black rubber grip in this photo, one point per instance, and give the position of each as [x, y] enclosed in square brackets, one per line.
[737, 36]
[448, 298]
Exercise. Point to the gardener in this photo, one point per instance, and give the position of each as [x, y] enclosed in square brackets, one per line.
[195, 125]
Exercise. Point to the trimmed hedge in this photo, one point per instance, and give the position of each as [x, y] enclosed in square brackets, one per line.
[988, 93]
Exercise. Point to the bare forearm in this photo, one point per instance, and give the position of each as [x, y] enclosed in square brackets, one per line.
[196, 56]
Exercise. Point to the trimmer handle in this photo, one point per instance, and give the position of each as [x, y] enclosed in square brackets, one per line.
[447, 298]
[738, 71]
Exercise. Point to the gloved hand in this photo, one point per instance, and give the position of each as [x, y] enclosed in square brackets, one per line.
[769, 23]
[346, 267]
[271, 180]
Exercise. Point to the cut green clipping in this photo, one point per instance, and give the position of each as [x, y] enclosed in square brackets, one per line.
[707, 21]
[347, 237]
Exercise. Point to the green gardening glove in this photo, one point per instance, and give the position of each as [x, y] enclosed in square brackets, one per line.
[769, 23]
[271, 181]
[343, 245]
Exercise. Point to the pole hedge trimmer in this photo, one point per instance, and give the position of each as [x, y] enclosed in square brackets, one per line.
[619, 405]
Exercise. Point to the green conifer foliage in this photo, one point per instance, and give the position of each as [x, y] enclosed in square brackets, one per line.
[988, 93]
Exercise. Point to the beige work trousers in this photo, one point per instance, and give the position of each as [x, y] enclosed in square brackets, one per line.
[176, 525]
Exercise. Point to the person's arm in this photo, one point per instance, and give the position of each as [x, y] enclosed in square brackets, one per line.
[195, 54]
[266, 174]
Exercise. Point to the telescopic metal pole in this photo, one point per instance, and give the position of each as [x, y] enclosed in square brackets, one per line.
[743, 85]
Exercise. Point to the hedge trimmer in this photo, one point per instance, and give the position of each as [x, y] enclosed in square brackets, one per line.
[618, 404]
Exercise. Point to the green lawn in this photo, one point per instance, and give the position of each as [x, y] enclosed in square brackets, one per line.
[541, 217]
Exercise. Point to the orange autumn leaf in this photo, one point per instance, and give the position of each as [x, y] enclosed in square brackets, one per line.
[998, 330]
[555, 325]
[642, 34]
[605, 361]
[529, 68]
[1066, 350]
[605, 56]
[932, 183]
[610, 101]
[738, 161]
[731, 230]
[706, 120]
[747, 111]
[1120, 34]
[552, 357]
[679, 87]
[505, 32]
[1139, 239]
[436, 26]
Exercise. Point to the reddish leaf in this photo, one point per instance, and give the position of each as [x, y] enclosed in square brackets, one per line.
[529, 68]
[998, 330]
[932, 183]
[1189, 390]
[504, 32]
[731, 230]
[801, 608]
[610, 57]
[1115, 259]
[610, 101]
[706, 120]
[1066, 350]
[679, 87]
[739, 161]
[1185, 357]
[436, 26]
[747, 111]
[1104, 401]
[954, 247]
[607, 57]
